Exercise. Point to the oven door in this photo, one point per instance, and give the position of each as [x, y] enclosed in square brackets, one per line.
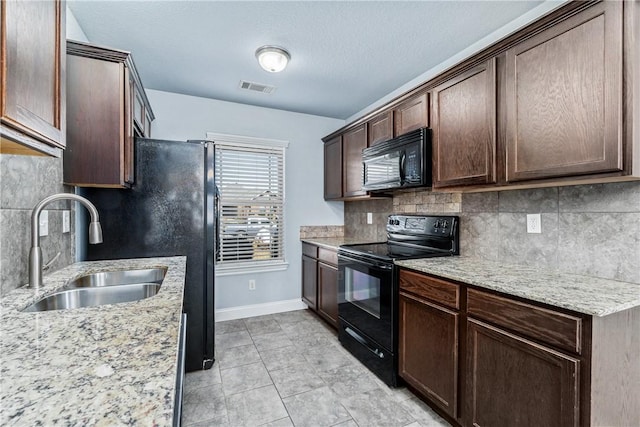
[365, 298]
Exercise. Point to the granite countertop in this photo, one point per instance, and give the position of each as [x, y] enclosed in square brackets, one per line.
[584, 294]
[108, 365]
[335, 242]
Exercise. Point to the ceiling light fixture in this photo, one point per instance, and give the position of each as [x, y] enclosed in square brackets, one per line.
[272, 58]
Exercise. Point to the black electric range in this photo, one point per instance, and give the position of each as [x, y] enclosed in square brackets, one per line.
[368, 286]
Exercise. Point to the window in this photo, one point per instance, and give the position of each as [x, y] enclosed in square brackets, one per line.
[249, 174]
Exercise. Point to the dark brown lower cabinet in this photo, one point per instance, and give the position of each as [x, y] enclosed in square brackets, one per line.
[487, 359]
[514, 382]
[328, 292]
[428, 349]
[309, 282]
[320, 281]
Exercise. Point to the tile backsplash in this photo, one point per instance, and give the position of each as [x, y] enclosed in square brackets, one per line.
[24, 181]
[587, 229]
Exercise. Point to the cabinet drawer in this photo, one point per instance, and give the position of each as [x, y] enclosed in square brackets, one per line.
[309, 250]
[431, 288]
[554, 328]
[327, 255]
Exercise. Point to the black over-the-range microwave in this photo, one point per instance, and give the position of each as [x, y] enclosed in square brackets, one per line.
[401, 162]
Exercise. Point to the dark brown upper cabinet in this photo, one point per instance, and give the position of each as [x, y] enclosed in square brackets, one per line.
[106, 109]
[555, 103]
[463, 121]
[353, 142]
[564, 98]
[343, 169]
[380, 128]
[333, 168]
[411, 114]
[33, 76]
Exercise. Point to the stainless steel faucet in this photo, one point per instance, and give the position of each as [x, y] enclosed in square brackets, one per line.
[35, 254]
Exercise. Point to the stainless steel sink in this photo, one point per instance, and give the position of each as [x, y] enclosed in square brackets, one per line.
[118, 277]
[105, 287]
[93, 296]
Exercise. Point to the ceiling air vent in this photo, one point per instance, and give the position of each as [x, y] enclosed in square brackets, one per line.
[256, 87]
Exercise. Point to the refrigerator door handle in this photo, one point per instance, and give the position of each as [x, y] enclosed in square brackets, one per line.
[217, 215]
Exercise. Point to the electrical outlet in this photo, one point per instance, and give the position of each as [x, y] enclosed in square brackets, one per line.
[369, 218]
[66, 221]
[534, 224]
[252, 285]
[44, 223]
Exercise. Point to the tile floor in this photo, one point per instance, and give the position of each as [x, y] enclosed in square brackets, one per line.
[288, 369]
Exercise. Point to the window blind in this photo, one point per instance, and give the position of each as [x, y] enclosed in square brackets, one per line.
[250, 179]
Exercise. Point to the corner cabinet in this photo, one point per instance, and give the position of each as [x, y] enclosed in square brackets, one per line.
[564, 98]
[463, 120]
[33, 76]
[320, 281]
[106, 109]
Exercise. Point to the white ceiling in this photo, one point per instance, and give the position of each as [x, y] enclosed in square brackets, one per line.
[345, 55]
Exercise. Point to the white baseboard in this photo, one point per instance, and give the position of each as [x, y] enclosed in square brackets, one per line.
[244, 311]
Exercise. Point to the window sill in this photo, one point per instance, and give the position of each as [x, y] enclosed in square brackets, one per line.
[250, 267]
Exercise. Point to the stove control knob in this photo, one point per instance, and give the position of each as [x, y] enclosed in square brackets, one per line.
[445, 223]
[397, 222]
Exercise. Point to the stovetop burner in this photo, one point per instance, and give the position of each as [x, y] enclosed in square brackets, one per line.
[411, 236]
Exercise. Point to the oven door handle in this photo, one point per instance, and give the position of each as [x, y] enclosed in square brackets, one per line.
[362, 341]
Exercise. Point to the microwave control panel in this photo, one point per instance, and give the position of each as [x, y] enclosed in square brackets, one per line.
[413, 164]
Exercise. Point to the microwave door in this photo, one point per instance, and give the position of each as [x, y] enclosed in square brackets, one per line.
[382, 172]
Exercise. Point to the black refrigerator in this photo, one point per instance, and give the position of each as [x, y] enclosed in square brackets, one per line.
[170, 210]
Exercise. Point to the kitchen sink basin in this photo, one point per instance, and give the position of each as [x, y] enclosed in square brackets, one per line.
[93, 296]
[118, 277]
